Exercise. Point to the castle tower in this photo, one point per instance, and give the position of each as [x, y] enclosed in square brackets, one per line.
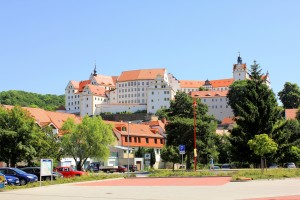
[240, 70]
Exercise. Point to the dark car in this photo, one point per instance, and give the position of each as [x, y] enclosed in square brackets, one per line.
[23, 176]
[36, 171]
[11, 180]
[226, 166]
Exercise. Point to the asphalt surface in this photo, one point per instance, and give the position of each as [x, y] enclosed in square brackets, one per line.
[163, 189]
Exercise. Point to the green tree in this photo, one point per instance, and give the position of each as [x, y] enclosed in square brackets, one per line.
[180, 127]
[262, 145]
[140, 153]
[162, 113]
[290, 95]
[88, 139]
[286, 133]
[17, 131]
[152, 157]
[255, 109]
[29, 99]
[170, 154]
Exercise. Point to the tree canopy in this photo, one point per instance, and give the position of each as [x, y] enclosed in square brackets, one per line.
[256, 111]
[19, 136]
[180, 129]
[290, 95]
[29, 99]
[88, 139]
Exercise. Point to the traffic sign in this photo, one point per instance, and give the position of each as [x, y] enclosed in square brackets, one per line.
[181, 149]
[147, 156]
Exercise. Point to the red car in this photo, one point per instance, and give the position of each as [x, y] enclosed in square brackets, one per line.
[69, 171]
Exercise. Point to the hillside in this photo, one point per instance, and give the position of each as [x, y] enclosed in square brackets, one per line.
[29, 99]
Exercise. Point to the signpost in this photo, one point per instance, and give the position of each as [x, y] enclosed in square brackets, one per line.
[147, 159]
[182, 151]
[46, 168]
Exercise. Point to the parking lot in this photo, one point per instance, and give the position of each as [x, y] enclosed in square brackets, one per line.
[163, 189]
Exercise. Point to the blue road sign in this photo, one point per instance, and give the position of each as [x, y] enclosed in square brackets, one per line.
[181, 149]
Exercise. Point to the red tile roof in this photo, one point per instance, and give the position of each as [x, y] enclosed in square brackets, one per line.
[105, 80]
[96, 90]
[209, 94]
[135, 129]
[227, 120]
[142, 74]
[44, 118]
[291, 113]
[222, 82]
[244, 66]
[191, 84]
[82, 84]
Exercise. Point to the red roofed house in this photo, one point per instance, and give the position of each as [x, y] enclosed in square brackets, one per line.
[140, 135]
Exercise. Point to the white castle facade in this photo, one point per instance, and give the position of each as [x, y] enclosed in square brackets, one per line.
[147, 89]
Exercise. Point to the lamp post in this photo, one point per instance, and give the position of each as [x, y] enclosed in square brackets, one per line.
[128, 149]
[195, 148]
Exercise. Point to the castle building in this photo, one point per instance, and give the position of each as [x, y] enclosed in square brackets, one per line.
[150, 90]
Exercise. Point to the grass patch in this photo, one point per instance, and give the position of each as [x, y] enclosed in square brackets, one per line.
[256, 174]
[178, 173]
[89, 177]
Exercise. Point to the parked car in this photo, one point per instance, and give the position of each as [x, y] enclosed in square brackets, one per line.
[36, 171]
[226, 166]
[122, 169]
[289, 165]
[273, 166]
[69, 171]
[132, 168]
[11, 180]
[24, 177]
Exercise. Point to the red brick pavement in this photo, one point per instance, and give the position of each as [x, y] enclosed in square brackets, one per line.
[203, 181]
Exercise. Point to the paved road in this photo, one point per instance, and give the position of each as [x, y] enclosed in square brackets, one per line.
[164, 189]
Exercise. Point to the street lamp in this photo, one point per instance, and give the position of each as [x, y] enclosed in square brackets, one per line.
[128, 150]
[195, 148]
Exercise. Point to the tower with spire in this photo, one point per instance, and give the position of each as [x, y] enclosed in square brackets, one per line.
[240, 70]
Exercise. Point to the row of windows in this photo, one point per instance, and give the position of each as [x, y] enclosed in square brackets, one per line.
[74, 108]
[165, 99]
[132, 95]
[217, 106]
[133, 101]
[165, 92]
[131, 89]
[75, 96]
[71, 103]
[214, 99]
[138, 140]
[134, 83]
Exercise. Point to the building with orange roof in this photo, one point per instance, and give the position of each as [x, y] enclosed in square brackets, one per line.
[52, 119]
[145, 89]
[135, 136]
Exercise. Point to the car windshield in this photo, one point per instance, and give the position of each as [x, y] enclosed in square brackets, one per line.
[19, 171]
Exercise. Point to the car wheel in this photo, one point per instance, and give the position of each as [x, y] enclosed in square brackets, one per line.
[23, 182]
[77, 175]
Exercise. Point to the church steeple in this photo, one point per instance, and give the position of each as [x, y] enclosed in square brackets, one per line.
[95, 71]
[239, 60]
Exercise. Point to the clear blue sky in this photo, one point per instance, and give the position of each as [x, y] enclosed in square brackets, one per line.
[46, 43]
